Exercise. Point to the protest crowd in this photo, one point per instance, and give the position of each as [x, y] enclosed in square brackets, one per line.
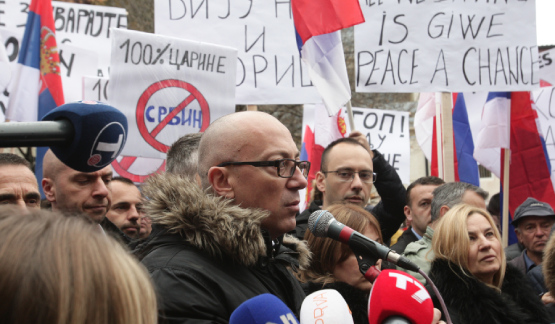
[236, 222]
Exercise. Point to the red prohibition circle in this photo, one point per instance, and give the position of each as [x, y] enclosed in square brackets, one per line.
[150, 137]
[123, 166]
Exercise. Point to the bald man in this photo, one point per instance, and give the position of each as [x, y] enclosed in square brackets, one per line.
[71, 191]
[18, 185]
[217, 253]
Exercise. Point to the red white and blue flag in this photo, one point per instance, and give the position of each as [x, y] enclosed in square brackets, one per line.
[36, 86]
[318, 25]
[489, 123]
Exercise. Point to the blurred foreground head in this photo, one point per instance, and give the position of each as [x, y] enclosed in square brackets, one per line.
[58, 269]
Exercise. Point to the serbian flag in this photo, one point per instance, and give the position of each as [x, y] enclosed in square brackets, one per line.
[319, 131]
[36, 86]
[466, 167]
[318, 25]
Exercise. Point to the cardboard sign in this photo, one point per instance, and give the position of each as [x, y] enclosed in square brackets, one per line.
[168, 87]
[269, 68]
[74, 63]
[545, 106]
[95, 88]
[388, 132]
[452, 46]
[547, 67]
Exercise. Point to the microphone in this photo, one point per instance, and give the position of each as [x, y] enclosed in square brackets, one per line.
[262, 309]
[325, 306]
[399, 298]
[85, 135]
[322, 224]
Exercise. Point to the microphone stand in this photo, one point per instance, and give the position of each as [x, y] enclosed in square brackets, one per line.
[367, 264]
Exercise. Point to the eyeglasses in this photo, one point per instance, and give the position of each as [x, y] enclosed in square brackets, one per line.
[285, 167]
[346, 175]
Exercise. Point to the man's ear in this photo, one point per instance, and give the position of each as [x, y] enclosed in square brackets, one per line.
[218, 177]
[518, 235]
[408, 213]
[320, 178]
[49, 189]
[443, 210]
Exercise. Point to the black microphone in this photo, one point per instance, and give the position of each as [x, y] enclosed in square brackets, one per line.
[85, 135]
[322, 224]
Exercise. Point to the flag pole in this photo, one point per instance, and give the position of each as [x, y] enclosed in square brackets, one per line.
[447, 137]
[438, 136]
[350, 114]
[505, 222]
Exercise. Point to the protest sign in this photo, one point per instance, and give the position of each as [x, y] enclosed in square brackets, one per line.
[168, 87]
[269, 68]
[95, 88]
[75, 62]
[545, 106]
[387, 131]
[452, 46]
[547, 67]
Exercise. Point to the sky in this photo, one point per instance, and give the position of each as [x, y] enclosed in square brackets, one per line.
[545, 22]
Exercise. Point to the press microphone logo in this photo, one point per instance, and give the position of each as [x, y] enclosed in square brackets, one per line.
[402, 281]
[286, 319]
[108, 144]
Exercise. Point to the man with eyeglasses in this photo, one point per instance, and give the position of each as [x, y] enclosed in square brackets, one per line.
[347, 173]
[225, 243]
[532, 221]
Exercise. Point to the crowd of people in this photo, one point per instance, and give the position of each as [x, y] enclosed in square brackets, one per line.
[222, 225]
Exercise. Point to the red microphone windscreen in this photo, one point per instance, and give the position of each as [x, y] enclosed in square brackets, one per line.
[396, 293]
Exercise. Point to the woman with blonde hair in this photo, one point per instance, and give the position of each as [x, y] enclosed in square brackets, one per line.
[334, 265]
[471, 272]
[63, 270]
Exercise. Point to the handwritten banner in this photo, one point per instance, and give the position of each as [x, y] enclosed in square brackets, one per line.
[168, 87]
[453, 46]
[269, 69]
[545, 106]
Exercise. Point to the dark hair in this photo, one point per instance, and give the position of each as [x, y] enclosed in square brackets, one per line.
[423, 181]
[13, 159]
[182, 157]
[493, 206]
[347, 140]
[124, 180]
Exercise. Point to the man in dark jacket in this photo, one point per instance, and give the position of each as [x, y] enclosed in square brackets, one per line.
[226, 244]
[340, 180]
[417, 210]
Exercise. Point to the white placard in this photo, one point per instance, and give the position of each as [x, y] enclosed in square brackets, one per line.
[452, 46]
[547, 66]
[269, 69]
[88, 27]
[95, 88]
[545, 106]
[74, 63]
[168, 87]
[388, 132]
[13, 14]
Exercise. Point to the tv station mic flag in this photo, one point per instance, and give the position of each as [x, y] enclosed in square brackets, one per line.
[318, 25]
[36, 86]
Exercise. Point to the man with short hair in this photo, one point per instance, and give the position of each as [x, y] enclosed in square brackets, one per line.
[532, 221]
[72, 191]
[417, 210]
[126, 210]
[182, 157]
[224, 243]
[445, 197]
[347, 173]
[18, 185]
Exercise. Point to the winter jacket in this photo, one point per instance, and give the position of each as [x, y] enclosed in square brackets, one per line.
[405, 239]
[212, 255]
[470, 301]
[420, 253]
[389, 211]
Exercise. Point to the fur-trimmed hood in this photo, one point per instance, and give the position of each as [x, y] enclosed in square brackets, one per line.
[212, 224]
[471, 301]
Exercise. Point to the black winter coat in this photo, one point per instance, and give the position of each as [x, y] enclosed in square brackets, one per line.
[356, 299]
[470, 301]
[212, 256]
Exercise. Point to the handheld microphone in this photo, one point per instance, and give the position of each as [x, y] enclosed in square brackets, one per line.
[325, 306]
[322, 224]
[399, 298]
[262, 309]
[85, 135]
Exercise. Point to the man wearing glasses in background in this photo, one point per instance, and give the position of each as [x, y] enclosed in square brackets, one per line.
[347, 172]
[225, 243]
